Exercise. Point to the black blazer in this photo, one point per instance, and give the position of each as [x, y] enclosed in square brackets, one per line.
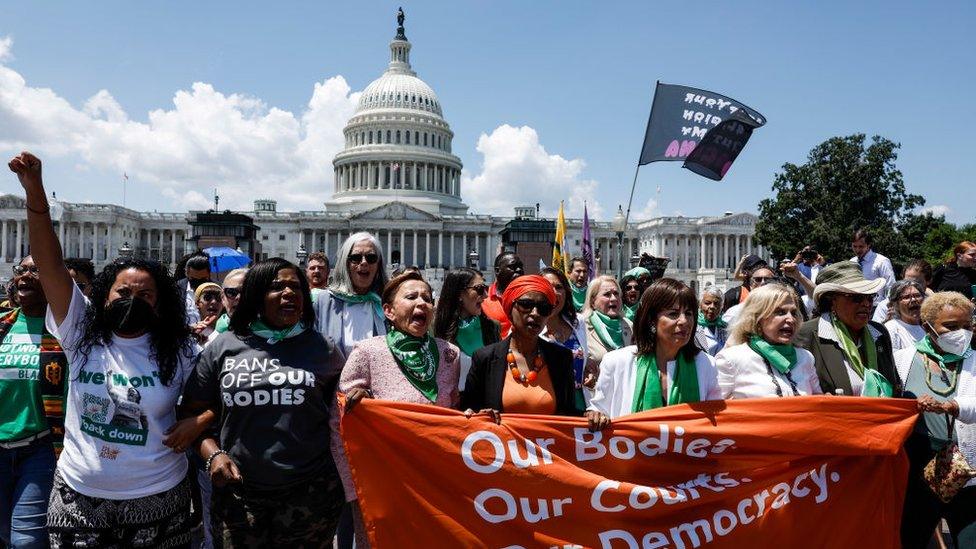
[489, 368]
[829, 358]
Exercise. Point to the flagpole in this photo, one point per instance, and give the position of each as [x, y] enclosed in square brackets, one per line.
[630, 201]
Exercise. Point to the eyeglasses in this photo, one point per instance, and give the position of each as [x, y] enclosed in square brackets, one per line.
[913, 297]
[480, 289]
[20, 270]
[232, 293]
[630, 287]
[356, 259]
[210, 296]
[525, 306]
[763, 279]
[857, 299]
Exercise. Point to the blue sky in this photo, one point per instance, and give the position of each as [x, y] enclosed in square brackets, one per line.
[547, 91]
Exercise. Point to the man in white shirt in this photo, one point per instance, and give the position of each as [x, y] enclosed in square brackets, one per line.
[873, 264]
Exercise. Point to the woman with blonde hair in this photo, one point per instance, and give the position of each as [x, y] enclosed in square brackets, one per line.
[759, 359]
[606, 328]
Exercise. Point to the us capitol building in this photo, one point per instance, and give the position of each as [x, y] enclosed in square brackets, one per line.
[398, 179]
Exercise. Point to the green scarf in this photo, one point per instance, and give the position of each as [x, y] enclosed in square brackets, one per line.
[273, 336]
[222, 324]
[468, 337]
[925, 347]
[875, 384]
[782, 357]
[647, 389]
[607, 330]
[717, 323]
[368, 297]
[579, 296]
[417, 358]
[630, 311]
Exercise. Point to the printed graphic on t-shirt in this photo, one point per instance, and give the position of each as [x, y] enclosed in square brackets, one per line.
[119, 418]
[263, 381]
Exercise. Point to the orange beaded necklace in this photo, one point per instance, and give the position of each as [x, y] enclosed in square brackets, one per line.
[538, 363]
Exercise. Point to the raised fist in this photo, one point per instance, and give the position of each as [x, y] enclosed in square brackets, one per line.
[28, 170]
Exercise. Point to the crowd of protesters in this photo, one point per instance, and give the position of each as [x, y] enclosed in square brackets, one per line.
[154, 403]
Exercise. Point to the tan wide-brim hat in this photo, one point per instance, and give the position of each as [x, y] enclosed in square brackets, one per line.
[845, 277]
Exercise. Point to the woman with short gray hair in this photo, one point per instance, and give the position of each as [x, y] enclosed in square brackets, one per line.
[350, 310]
[905, 326]
[712, 332]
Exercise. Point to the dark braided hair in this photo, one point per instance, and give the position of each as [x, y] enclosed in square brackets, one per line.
[169, 338]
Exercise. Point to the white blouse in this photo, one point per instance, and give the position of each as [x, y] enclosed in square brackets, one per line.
[742, 373]
[613, 394]
[904, 335]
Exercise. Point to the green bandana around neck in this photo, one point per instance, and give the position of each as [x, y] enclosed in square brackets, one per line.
[875, 383]
[469, 337]
[579, 296]
[782, 357]
[925, 347]
[417, 358]
[262, 330]
[647, 389]
[608, 330]
[223, 323]
[630, 311]
[717, 323]
[368, 297]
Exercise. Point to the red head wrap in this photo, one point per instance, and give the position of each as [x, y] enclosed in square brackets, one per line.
[523, 285]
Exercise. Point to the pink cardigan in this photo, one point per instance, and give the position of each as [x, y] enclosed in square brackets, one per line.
[371, 366]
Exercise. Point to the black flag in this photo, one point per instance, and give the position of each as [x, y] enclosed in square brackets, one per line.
[682, 117]
[721, 145]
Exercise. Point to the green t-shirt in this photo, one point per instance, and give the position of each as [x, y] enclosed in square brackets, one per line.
[21, 404]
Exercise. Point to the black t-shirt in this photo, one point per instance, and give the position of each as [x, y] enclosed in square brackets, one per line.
[952, 278]
[274, 404]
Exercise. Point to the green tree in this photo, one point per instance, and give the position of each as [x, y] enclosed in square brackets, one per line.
[845, 184]
[928, 237]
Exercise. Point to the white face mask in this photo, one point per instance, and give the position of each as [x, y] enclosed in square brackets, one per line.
[956, 342]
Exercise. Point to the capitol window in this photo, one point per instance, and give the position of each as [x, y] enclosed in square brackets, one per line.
[398, 137]
[408, 138]
[425, 139]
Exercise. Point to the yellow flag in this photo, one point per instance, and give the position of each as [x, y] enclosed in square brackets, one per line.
[559, 246]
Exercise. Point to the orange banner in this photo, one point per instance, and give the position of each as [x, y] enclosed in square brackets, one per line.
[794, 472]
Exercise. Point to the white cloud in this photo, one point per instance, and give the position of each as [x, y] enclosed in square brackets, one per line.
[937, 209]
[207, 139]
[648, 211]
[517, 170]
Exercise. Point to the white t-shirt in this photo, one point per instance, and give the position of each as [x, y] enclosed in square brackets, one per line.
[358, 325]
[117, 410]
[904, 335]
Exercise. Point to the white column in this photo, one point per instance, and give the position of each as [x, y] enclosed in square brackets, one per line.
[413, 250]
[81, 239]
[172, 250]
[389, 247]
[687, 250]
[3, 240]
[450, 260]
[701, 251]
[95, 257]
[440, 249]
[477, 248]
[110, 248]
[427, 251]
[749, 243]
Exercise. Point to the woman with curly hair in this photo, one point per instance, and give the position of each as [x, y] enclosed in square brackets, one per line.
[129, 352]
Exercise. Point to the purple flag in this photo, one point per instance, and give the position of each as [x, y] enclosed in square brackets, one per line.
[587, 245]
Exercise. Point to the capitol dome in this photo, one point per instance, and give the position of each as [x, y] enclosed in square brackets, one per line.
[398, 145]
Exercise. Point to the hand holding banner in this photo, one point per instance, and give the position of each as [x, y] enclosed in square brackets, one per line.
[806, 472]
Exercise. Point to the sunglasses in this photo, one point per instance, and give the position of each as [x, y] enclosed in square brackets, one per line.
[356, 259]
[763, 279]
[207, 297]
[20, 270]
[232, 293]
[480, 289]
[526, 306]
[857, 299]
